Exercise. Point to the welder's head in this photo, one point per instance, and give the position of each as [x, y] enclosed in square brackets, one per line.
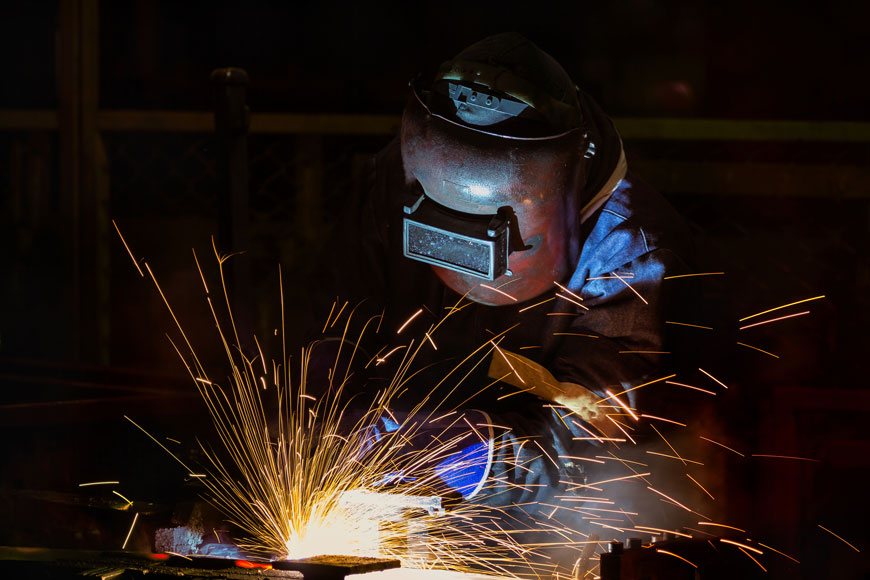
[494, 148]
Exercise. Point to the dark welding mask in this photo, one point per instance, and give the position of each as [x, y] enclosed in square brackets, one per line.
[495, 164]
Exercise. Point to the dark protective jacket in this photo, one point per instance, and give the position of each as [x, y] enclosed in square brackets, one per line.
[630, 245]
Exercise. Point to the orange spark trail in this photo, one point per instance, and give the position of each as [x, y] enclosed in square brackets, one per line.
[774, 320]
[407, 322]
[674, 532]
[758, 349]
[689, 325]
[535, 304]
[781, 307]
[676, 384]
[785, 457]
[763, 569]
[674, 457]
[130, 532]
[502, 292]
[571, 300]
[668, 443]
[839, 538]
[793, 559]
[627, 285]
[739, 545]
[129, 251]
[638, 387]
[669, 498]
[693, 275]
[712, 377]
[645, 416]
[721, 526]
[564, 289]
[701, 486]
[723, 446]
[660, 551]
[621, 404]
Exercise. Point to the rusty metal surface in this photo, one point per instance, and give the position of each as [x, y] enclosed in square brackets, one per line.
[44, 563]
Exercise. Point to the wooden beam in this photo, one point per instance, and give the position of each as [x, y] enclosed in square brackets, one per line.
[741, 130]
[84, 188]
[28, 120]
[758, 179]
[157, 121]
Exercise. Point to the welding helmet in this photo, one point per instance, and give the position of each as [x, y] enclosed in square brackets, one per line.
[494, 154]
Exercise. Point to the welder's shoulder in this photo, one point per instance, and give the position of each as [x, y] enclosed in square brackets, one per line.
[635, 221]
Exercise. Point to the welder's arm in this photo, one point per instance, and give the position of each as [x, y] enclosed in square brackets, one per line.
[628, 324]
[533, 459]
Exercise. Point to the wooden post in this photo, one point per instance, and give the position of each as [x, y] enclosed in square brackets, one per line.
[84, 185]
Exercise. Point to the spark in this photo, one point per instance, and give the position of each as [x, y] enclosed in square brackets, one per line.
[572, 301]
[785, 457]
[621, 404]
[646, 416]
[839, 538]
[337, 316]
[668, 443]
[670, 499]
[129, 502]
[129, 251]
[739, 545]
[130, 531]
[676, 384]
[180, 555]
[625, 275]
[758, 349]
[781, 307]
[663, 531]
[621, 427]
[638, 387]
[432, 342]
[660, 551]
[692, 275]
[793, 559]
[723, 446]
[578, 458]
[162, 446]
[535, 304]
[722, 526]
[689, 325]
[565, 289]
[176, 441]
[502, 292]
[774, 320]
[495, 346]
[704, 489]
[615, 479]
[712, 377]
[407, 322]
[90, 483]
[627, 285]
[575, 334]
[593, 438]
[674, 457]
[644, 352]
[623, 461]
[751, 557]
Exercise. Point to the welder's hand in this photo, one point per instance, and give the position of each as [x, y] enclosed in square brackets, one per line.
[588, 407]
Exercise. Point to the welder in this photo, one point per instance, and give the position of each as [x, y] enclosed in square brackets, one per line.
[508, 186]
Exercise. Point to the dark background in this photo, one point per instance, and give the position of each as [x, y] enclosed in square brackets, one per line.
[751, 117]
